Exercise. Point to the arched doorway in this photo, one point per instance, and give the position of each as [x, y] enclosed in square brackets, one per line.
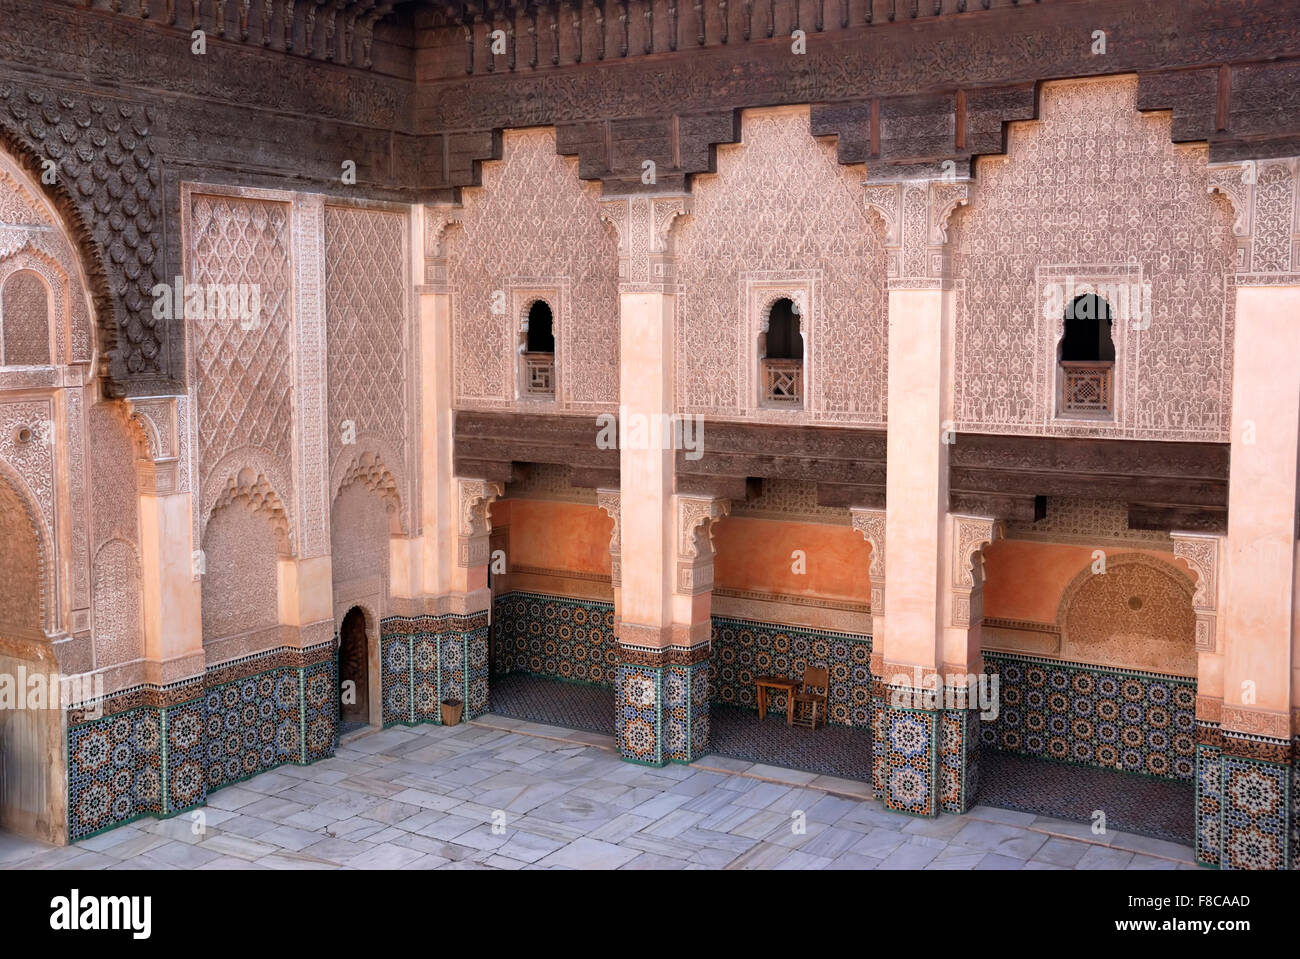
[354, 672]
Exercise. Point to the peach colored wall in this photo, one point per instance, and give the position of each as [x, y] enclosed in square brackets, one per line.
[756, 554]
[1025, 580]
[551, 535]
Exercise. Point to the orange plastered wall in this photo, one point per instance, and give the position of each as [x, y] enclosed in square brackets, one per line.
[1025, 580]
[551, 535]
[758, 554]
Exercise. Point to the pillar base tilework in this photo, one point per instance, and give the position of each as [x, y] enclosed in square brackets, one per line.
[905, 757]
[426, 659]
[1244, 800]
[661, 704]
[959, 743]
[158, 751]
[1209, 803]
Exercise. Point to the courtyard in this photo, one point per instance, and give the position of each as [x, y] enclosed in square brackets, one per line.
[500, 793]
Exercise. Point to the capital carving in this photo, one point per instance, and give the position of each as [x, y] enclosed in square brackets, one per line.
[646, 255]
[915, 214]
[1264, 195]
[970, 535]
[609, 500]
[437, 218]
[156, 417]
[696, 516]
[474, 497]
[871, 524]
[1201, 553]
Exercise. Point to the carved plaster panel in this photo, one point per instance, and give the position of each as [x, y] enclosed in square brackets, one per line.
[1094, 181]
[781, 209]
[532, 217]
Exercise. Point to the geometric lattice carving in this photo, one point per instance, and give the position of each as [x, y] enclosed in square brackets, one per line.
[1090, 182]
[244, 376]
[366, 329]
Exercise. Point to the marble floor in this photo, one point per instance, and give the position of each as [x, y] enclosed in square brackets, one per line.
[506, 794]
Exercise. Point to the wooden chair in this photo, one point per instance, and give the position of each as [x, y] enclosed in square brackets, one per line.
[810, 698]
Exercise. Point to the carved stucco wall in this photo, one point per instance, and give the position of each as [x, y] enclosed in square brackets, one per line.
[25, 320]
[241, 575]
[369, 348]
[243, 379]
[1138, 614]
[1095, 183]
[33, 241]
[359, 534]
[533, 225]
[20, 563]
[781, 213]
[114, 538]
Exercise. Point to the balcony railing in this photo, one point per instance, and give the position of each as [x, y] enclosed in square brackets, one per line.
[539, 374]
[783, 382]
[1086, 387]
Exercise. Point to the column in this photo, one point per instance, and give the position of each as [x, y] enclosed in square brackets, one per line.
[661, 640]
[172, 601]
[911, 732]
[1258, 619]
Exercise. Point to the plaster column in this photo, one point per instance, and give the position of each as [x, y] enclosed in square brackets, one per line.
[169, 564]
[910, 728]
[647, 511]
[306, 582]
[1258, 618]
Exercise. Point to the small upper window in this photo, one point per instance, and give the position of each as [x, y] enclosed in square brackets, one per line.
[1087, 359]
[784, 341]
[1087, 331]
[781, 357]
[538, 372]
[541, 330]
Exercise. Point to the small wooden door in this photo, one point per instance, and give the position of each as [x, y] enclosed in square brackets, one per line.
[354, 667]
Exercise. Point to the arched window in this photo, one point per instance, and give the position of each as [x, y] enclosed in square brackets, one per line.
[25, 321]
[539, 351]
[1087, 331]
[781, 356]
[1087, 358]
[541, 329]
[784, 341]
